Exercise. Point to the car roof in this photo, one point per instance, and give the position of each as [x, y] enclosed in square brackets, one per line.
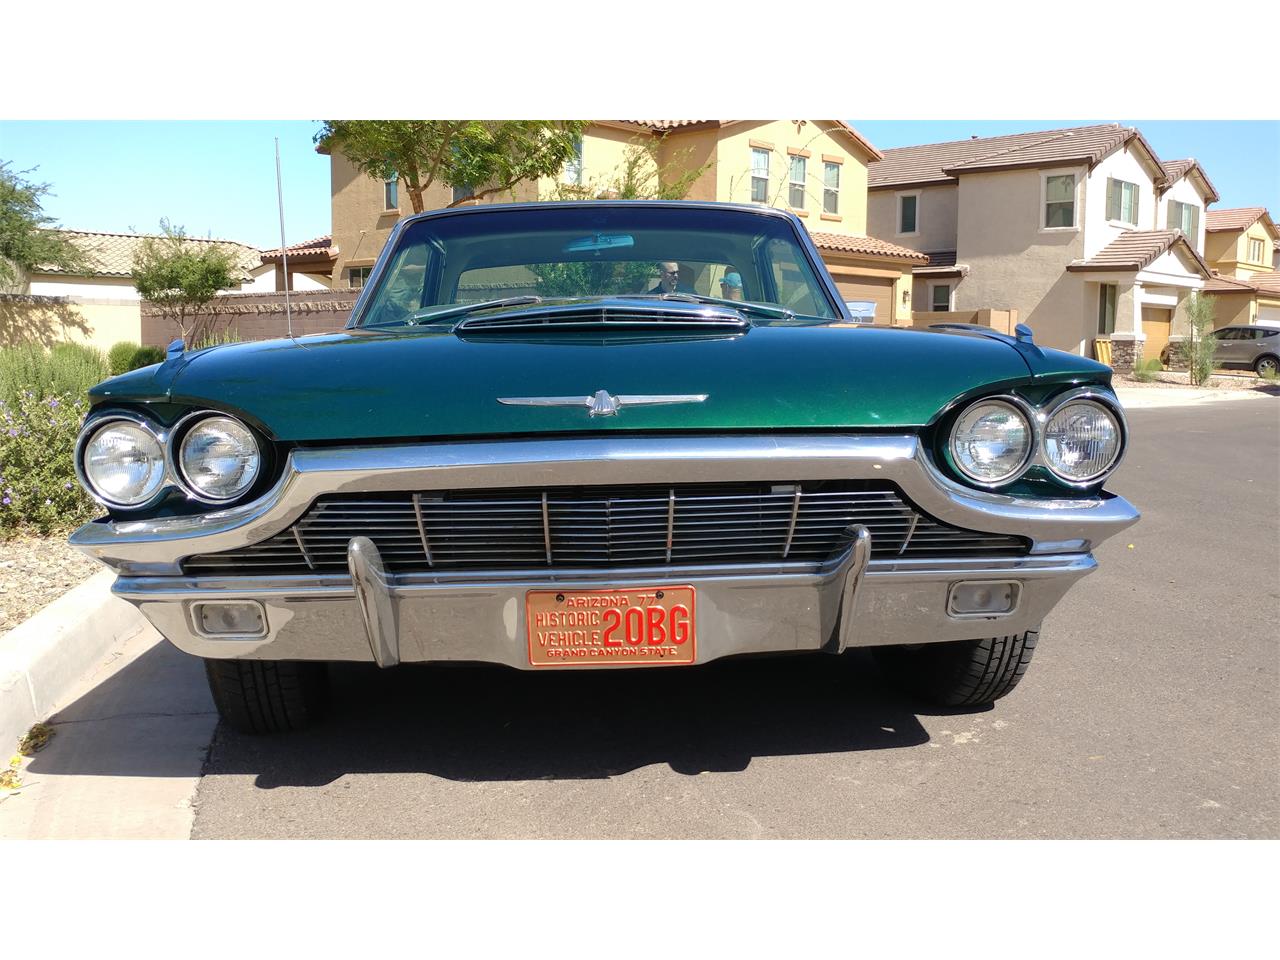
[751, 208]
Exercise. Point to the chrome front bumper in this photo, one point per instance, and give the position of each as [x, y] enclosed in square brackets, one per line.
[376, 616]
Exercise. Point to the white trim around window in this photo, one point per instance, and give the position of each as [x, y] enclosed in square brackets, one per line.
[933, 296]
[898, 199]
[1043, 219]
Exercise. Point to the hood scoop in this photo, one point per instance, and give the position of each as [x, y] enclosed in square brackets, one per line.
[607, 319]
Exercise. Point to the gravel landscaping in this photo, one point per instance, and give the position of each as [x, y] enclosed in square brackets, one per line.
[1222, 380]
[35, 571]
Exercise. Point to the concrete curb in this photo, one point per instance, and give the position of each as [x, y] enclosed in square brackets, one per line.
[42, 659]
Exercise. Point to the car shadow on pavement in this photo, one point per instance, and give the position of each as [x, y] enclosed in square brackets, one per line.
[484, 723]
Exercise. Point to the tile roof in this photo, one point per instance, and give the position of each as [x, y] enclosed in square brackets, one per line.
[942, 258]
[866, 246]
[940, 162]
[1220, 284]
[1137, 249]
[112, 254]
[1268, 282]
[1175, 170]
[319, 248]
[1233, 218]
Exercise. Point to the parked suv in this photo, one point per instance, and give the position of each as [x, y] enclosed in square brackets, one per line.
[1257, 348]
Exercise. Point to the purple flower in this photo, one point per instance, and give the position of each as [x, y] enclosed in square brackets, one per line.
[7, 501]
[48, 503]
[53, 402]
[13, 432]
[66, 486]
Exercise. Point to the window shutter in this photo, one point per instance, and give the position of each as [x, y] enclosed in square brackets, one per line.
[1137, 194]
[1171, 220]
[1195, 225]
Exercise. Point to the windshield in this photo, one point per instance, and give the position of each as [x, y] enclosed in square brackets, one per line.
[586, 251]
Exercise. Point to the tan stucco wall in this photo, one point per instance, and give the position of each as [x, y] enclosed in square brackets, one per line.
[1228, 251]
[733, 168]
[1230, 309]
[937, 213]
[48, 320]
[1014, 265]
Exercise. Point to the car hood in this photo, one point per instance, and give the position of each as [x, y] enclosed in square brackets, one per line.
[365, 385]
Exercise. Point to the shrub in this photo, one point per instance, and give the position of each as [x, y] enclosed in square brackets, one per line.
[215, 338]
[38, 488]
[1145, 370]
[67, 369]
[120, 357]
[146, 356]
[1197, 351]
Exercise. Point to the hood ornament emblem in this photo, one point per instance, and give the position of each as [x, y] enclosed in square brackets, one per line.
[604, 404]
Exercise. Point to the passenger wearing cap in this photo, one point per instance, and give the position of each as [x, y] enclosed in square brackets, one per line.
[731, 286]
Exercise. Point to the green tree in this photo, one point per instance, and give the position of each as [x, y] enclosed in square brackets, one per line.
[26, 238]
[642, 175]
[1197, 351]
[480, 157]
[181, 278]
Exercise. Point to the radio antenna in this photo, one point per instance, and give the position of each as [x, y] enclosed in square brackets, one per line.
[284, 250]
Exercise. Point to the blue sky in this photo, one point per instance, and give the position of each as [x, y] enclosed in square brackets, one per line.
[217, 178]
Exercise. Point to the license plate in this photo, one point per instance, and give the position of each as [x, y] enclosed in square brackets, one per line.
[645, 626]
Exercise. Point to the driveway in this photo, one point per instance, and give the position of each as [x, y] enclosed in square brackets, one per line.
[1152, 710]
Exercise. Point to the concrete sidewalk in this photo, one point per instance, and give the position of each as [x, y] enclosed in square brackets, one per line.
[1138, 398]
[126, 757]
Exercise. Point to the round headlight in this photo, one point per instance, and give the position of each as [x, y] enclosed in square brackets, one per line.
[991, 442]
[123, 464]
[219, 458]
[1082, 441]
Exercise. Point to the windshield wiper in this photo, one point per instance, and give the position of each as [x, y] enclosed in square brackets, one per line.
[745, 305]
[462, 309]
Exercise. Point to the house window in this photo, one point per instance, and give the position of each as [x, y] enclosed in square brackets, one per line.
[573, 169]
[1255, 251]
[1122, 201]
[1184, 217]
[759, 175]
[796, 197]
[460, 192]
[1107, 294]
[1060, 201]
[907, 207]
[358, 276]
[391, 194]
[830, 187]
[941, 297]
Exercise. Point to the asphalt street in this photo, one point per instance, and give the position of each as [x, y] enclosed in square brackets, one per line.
[1151, 710]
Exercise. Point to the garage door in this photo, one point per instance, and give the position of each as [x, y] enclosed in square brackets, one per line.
[875, 290]
[1269, 315]
[1156, 322]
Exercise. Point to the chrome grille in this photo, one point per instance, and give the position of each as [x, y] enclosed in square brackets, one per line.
[606, 527]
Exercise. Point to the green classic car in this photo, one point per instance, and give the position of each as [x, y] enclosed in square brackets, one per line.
[598, 435]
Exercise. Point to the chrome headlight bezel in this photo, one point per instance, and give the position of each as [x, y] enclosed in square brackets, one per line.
[1088, 397]
[1038, 416]
[1024, 411]
[178, 439]
[92, 429]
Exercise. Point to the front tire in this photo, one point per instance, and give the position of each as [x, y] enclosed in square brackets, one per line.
[268, 696]
[962, 673]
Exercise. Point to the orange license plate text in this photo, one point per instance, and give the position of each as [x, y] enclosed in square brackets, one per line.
[647, 626]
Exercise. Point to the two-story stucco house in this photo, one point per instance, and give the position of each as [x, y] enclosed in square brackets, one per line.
[1240, 245]
[1084, 231]
[815, 168]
